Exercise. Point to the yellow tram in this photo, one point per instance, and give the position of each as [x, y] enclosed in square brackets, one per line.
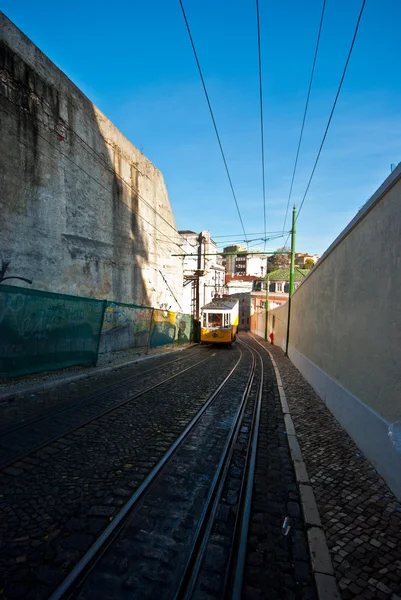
[219, 321]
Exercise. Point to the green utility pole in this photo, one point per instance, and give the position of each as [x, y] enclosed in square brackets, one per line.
[292, 271]
[267, 305]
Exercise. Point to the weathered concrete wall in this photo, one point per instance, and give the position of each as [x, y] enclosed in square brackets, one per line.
[82, 211]
[345, 330]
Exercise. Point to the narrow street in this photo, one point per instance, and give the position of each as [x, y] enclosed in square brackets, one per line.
[70, 469]
[200, 219]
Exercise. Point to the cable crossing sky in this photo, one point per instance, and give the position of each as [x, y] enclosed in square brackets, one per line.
[212, 116]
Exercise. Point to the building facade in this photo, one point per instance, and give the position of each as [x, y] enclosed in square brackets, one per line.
[278, 294]
[240, 287]
[256, 265]
[203, 271]
[300, 259]
[234, 264]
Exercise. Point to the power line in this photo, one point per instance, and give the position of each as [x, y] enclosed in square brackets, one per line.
[261, 118]
[86, 173]
[305, 111]
[262, 239]
[334, 105]
[212, 116]
[101, 160]
[237, 235]
[269, 239]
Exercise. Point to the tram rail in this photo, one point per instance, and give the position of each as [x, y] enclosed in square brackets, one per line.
[95, 392]
[180, 519]
[20, 441]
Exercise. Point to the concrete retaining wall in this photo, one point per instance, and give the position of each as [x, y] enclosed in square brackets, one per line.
[82, 211]
[345, 331]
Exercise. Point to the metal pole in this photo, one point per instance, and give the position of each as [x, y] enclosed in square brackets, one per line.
[267, 306]
[292, 272]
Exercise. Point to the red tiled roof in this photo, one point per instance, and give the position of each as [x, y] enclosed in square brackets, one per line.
[241, 278]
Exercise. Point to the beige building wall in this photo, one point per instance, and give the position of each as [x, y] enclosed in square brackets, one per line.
[278, 325]
[345, 332]
[82, 211]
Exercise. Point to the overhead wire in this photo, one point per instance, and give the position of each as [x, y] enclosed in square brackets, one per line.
[237, 235]
[212, 116]
[262, 239]
[87, 174]
[305, 112]
[334, 104]
[332, 109]
[261, 118]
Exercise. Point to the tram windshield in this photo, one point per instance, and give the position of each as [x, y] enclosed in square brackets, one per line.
[215, 319]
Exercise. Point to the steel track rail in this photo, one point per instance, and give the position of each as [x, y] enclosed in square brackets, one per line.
[93, 555]
[205, 522]
[185, 593]
[89, 396]
[237, 562]
[39, 446]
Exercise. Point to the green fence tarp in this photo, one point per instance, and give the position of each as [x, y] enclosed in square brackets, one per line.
[125, 326]
[42, 331]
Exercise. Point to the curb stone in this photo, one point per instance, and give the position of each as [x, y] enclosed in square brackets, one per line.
[322, 566]
[28, 389]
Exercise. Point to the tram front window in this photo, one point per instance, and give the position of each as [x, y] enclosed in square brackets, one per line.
[215, 319]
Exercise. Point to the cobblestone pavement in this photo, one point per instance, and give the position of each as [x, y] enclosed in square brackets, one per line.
[58, 500]
[109, 359]
[73, 410]
[277, 567]
[148, 557]
[28, 405]
[360, 515]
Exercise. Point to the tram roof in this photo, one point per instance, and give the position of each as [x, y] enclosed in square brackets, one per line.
[221, 304]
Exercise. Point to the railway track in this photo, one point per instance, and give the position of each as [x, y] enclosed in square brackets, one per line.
[22, 439]
[183, 533]
[95, 390]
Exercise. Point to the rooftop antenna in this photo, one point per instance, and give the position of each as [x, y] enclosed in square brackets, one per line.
[392, 167]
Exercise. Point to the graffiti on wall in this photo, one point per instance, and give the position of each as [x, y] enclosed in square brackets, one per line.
[119, 315]
[170, 327]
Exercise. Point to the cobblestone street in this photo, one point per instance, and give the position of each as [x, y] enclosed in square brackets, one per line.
[360, 515]
[57, 499]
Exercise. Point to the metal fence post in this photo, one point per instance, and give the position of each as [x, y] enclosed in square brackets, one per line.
[150, 331]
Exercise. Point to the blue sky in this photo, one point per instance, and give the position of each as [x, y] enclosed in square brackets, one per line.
[134, 61]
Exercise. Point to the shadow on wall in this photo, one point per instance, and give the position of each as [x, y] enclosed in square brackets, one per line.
[69, 194]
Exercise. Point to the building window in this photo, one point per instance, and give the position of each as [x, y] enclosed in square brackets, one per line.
[247, 320]
[279, 287]
[242, 321]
